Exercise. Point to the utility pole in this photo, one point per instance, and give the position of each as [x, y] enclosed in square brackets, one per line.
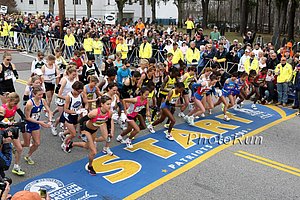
[61, 8]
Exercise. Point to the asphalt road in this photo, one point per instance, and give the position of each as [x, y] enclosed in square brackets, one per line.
[223, 176]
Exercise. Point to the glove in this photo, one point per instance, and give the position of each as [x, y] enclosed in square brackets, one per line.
[123, 117]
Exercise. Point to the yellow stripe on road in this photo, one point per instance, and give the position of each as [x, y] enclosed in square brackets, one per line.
[21, 81]
[269, 163]
[203, 158]
[277, 109]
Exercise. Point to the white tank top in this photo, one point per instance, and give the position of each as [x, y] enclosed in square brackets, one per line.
[75, 103]
[49, 75]
[68, 86]
[105, 84]
[113, 101]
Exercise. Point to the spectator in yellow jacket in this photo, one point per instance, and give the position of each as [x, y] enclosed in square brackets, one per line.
[189, 26]
[284, 72]
[5, 32]
[177, 54]
[98, 49]
[251, 63]
[145, 49]
[88, 44]
[69, 41]
[122, 48]
[192, 54]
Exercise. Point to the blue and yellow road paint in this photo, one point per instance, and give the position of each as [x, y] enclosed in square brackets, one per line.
[130, 173]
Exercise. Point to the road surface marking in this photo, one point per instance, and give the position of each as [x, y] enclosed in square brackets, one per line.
[268, 162]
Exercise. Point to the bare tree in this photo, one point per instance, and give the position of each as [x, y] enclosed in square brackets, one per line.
[62, 14]
[243, 15]
[153, 9]
[291, 20]
[51, 6]
[180, 6]
[89, 8]
[120, 5]
[205, 4]
[280, 11]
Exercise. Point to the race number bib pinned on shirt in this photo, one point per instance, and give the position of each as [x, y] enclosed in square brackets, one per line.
[35, 116]
[8, 74]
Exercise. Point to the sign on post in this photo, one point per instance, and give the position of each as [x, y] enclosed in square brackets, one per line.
[110, 19]
[3, 9]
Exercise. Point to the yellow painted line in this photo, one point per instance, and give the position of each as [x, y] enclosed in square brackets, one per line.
[21, 81]
[202, 158]
[277, 109]
[270, 161]
[268, 164]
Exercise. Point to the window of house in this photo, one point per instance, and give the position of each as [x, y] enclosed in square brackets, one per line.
[46, 2]
[77, 2]
[30, 1]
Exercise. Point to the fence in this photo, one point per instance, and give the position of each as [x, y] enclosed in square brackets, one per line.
[47, 45]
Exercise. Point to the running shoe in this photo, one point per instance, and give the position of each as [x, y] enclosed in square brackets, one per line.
[46, 114]
[186, 118]
[209, 111]
[181, 114]
[53, 130]
[120, 139]
[169, 136]
[29, 160]
[191, 120]
[128, 143]
[253, 106]
[238, 106]
[107, 151]
[166, 126]
[91, 171]
[62, 136]
[61, 125]
[298, 114]
[226, 118]
[66, 147]
[202, 115]
[18, 171]
[150, 128]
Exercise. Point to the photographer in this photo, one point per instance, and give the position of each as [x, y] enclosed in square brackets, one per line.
[6, 138]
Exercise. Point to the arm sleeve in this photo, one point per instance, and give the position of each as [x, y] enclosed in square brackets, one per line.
[19, 111]
[120, 105]
[16, 73]
[82, 120]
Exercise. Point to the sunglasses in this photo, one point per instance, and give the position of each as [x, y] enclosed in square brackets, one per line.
[8, 59]
[79, 91]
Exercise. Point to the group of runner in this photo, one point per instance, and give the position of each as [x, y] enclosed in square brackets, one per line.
[136, 99]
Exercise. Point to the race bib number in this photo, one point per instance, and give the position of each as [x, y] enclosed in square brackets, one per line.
[60, 101]
[8, 74]
[139, 108]
[174, 100]
[35, 116]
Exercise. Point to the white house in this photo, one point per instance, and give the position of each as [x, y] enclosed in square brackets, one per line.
[99, 8]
